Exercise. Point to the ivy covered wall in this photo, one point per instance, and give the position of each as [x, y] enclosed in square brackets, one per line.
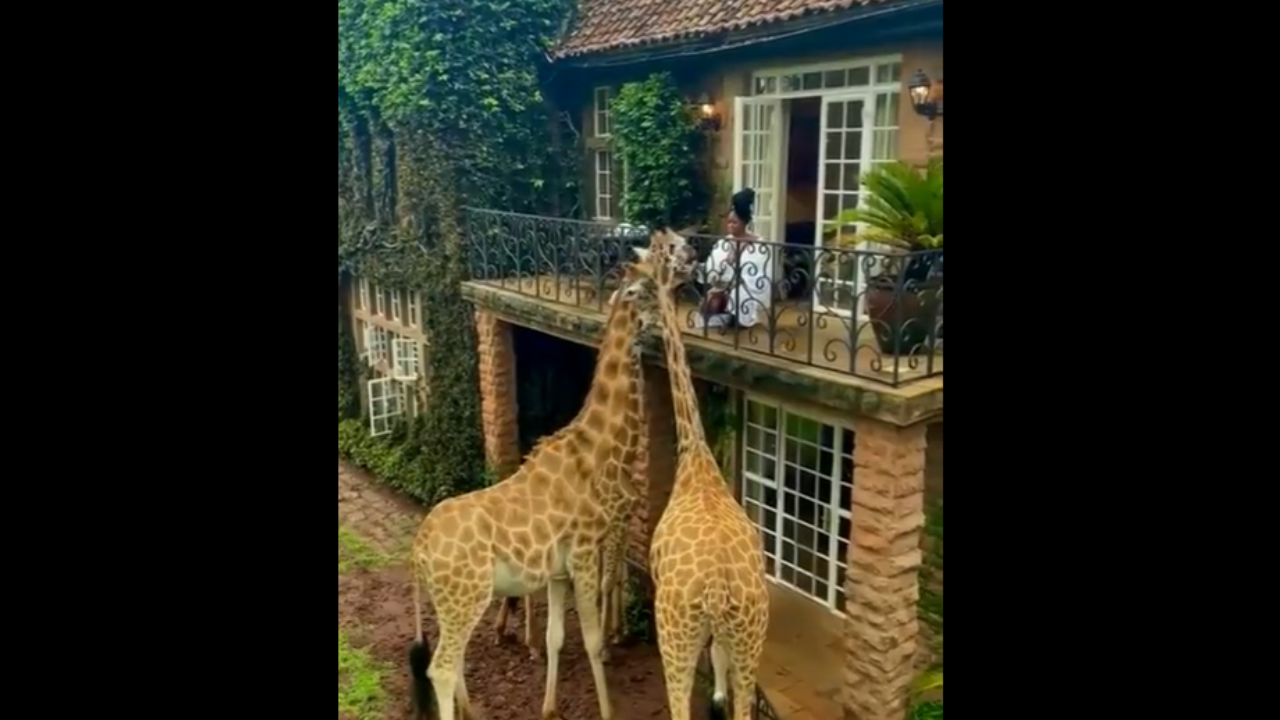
[439, 104]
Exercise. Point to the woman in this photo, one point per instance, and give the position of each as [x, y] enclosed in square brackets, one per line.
[739, 272]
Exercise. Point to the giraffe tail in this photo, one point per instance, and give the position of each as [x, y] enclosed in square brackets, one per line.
[719, 710]
[420, 661]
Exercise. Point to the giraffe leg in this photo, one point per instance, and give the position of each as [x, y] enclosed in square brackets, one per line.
[744, 692]
[557, 590]
[586, 587]
[720, 663]
[504, 620]
[528, 630]
[607, 582]
[680, 665]
[464, 698]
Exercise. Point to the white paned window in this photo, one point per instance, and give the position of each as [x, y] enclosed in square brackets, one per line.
[406, 359]
[376, 345]
[397, 305]
[604, 185]
[364, 294]
[378, 307]
[604, 112]
[386, 405]
[413, 308]
[798, 488]
[868, 74]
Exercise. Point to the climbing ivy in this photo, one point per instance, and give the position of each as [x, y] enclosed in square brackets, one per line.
[439, 101]
[661, 148]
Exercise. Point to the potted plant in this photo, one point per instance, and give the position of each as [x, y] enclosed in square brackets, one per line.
[902, 209]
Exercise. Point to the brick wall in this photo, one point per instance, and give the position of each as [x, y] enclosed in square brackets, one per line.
[931, 621]
[498, 394]
[882, 628]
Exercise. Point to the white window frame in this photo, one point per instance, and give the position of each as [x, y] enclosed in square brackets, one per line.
[406, 359]
[413, 309]
[378, 305]
[386, 405]
[365, 298]
[604, 184]
[602, 106]
[871, 64]
[376, 341]
[838, 543]
[397, 305]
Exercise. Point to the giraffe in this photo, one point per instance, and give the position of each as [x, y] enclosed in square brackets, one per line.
[613, 579]
[545, 526]
[707, 558]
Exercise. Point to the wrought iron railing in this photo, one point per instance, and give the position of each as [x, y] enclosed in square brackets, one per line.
[873, 315]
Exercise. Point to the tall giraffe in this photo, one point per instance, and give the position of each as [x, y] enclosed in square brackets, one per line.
[707, 557]
[545, 526]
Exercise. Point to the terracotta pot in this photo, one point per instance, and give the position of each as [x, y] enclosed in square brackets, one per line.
[903, 331]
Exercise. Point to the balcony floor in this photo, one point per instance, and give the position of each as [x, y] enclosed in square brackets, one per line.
[827, 343]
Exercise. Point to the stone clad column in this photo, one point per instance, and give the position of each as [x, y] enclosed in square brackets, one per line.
[498, 393]
[882, 628]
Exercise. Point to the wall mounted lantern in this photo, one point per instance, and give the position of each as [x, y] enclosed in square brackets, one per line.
[926, 96]
[708, 117]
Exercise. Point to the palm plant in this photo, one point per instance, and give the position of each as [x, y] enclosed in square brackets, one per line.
[902, 207]
[930, 684]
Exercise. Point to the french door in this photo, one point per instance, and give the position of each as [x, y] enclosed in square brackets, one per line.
[846, 150]
[798, 489]
[758, 146]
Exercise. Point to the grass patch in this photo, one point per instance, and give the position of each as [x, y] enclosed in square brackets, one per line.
[354, 553]
[360, 692]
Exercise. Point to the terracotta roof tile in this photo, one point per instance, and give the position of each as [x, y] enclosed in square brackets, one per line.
[603, 25]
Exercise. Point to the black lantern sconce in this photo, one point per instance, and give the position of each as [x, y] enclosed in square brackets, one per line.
[708, 116]
[925, 97]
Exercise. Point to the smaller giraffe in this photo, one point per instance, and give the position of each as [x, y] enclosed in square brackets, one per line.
[707, 557]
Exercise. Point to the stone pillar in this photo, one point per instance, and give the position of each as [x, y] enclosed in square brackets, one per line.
[882, 628]
[656, 465]
[498, 393]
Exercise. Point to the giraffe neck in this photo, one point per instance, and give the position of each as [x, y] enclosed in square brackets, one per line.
[692, 437]
[613, 403]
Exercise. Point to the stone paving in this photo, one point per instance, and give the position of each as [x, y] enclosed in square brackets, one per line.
[379, 516]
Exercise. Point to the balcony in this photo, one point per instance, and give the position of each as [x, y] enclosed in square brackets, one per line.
[873, 316]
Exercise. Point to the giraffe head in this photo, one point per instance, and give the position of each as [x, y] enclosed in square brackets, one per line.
[637, 292]
[668, 260]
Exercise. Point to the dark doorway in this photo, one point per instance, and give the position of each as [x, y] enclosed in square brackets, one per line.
[553, 377]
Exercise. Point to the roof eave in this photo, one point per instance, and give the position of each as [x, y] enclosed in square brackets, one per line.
[614, 56]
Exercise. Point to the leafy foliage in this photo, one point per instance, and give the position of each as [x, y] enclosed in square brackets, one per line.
[904, 207]
[438, 100]
[361, 694]
[661, 149]
[925, 705]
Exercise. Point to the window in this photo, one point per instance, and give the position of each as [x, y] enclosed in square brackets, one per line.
[364, 294]
[406, 360]
[375, 345]
[386, 405]
[413, 308]
[397, 305]
[604, 112]
[798, 488]
[823, 79]
[378, 307]
[604, 185]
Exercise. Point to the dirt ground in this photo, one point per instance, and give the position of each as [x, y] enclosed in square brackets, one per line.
[375, 610]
